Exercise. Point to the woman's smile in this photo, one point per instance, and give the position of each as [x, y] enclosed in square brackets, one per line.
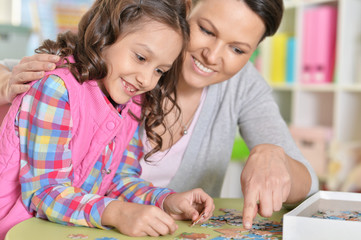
[201, 68]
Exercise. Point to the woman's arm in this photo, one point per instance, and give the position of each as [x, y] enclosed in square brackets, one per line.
[269, 179]
[14, 79]
[276, 172]
[4, 84]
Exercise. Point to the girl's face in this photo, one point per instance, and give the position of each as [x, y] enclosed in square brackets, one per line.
[224, 35]
[137, 61]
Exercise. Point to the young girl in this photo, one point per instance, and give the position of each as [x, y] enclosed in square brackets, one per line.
[67, 135]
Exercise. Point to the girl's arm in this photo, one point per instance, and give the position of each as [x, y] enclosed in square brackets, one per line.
[46, 175]
[15, 75]
[128, 186]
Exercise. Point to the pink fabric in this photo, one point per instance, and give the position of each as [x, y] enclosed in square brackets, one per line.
[93, 128]
[164, 164]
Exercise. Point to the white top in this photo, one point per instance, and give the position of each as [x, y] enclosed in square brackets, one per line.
[163, 165]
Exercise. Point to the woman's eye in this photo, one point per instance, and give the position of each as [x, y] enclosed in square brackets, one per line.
[206, 31]
[140, 58]
[159, 71]
[237, 50]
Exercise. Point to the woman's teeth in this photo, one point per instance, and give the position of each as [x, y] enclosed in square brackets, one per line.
[201, 67]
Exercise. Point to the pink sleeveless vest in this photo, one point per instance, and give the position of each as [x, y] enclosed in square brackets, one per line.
[95, 124]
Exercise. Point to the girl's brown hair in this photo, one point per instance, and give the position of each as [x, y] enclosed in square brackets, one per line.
[101, 26]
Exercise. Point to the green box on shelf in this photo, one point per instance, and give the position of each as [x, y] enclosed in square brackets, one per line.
[240, 151]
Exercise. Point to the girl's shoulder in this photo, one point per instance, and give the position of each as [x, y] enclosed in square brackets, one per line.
[52, 86]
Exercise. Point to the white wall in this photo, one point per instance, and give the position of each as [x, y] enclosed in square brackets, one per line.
[5, 11]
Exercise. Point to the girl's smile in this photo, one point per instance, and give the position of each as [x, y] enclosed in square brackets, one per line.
[138, 59]
[129, 88]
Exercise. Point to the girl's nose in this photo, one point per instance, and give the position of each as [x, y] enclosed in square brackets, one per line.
[144, 79]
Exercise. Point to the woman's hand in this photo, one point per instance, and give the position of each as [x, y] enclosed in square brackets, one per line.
[270, 178]
[189, 205]
[138, 220]
[29, 69]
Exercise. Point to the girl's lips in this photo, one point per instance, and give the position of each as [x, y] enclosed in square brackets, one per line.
[200, 68]
[129, 88]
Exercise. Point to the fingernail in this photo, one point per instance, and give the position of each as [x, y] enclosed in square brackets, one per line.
[247, 224]
[50, 65]
[39, 74]
[54, 58]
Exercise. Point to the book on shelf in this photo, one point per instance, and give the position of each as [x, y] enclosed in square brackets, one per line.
[290, 60]
[319, 44]
[278, 58]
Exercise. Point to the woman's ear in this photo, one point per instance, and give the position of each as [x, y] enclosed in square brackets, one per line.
[188, 6]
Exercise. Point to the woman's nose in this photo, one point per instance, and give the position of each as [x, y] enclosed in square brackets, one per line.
[213, 54]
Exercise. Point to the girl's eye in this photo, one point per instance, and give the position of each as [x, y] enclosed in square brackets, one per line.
[159, 71]
[140, 58]
[237, 50]
[206, 31]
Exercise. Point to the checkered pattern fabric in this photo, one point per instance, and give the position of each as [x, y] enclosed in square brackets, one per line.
[44, 127]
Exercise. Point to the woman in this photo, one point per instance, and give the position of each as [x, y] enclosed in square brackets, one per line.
[219, 90]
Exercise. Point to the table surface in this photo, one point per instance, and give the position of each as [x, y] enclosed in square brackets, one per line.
[39, 229]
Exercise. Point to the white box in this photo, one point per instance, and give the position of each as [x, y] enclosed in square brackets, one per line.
[13, 41]
[298, 223]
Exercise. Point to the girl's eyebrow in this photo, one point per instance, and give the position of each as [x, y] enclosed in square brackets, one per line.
[216, 31]
[147, 48]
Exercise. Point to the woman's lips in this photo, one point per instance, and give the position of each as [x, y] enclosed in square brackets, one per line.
[200, 68]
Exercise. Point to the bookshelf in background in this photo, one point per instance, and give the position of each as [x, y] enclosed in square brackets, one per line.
[313, 64]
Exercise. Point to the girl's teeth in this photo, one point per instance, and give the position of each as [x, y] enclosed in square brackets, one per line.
[128, 88]
[201, 67]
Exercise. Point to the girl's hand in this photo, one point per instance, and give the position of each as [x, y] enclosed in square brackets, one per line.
[29, 69]
[266, 182]
[189, 205]
[138, 220]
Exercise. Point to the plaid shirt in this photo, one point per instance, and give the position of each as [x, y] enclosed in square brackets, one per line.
[44, 127]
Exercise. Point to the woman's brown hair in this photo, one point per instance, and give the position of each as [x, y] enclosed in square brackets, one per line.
[101, 26]
[270, 11]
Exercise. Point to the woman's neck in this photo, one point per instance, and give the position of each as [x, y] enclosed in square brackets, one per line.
[184, 90]
[188, 99]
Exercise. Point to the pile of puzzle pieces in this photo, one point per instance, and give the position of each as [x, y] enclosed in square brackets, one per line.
[339, 215]
[261, 229]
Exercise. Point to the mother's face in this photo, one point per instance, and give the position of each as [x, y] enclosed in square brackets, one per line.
[224, 35]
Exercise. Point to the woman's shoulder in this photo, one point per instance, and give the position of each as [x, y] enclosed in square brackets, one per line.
[247, 80]
[248, 73]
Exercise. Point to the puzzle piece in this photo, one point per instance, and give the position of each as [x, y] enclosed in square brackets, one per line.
[192, 236]
[261, 228]
[106, 238]
[339, 215]
[213, 224]
[77, 236]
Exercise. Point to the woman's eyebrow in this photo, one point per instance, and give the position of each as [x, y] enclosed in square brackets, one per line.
[215, 29]
[243, 43]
